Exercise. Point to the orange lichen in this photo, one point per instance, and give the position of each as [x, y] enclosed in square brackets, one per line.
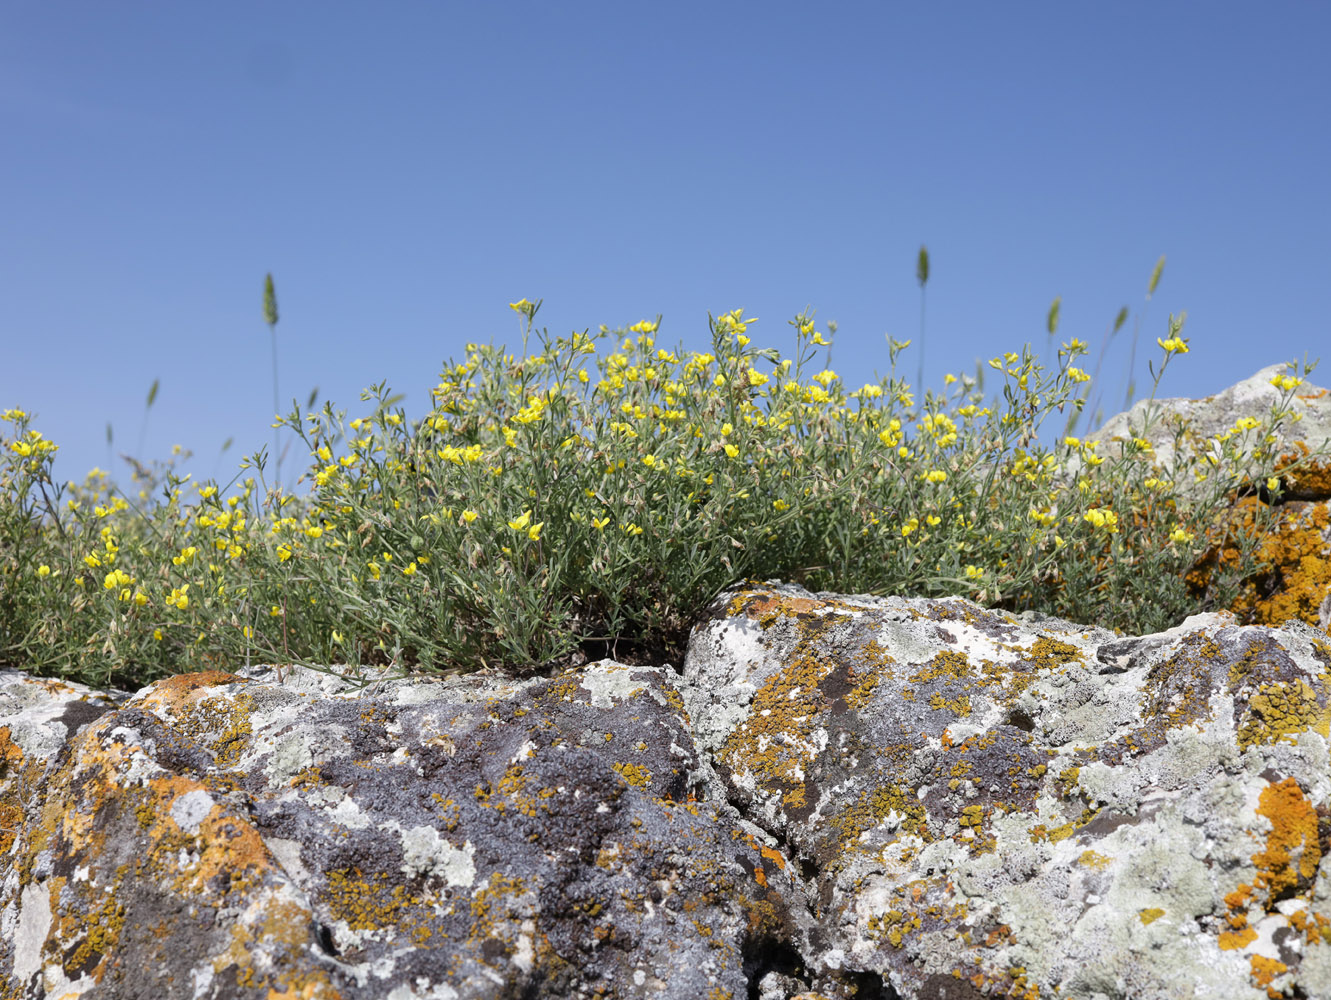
[1286, 867]
[1292, 852]
[1263, 971]
[1294, 552]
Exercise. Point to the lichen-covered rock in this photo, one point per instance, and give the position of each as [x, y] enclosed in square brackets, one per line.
[840, 797]
[1203, 420]
[988, 805]
[227, 836]
[1296, 555]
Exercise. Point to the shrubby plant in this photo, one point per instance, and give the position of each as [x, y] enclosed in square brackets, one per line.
[573, 501]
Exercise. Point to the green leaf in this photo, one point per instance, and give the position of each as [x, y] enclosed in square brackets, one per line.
[152, 393]
[1052, 322]
[1120, 319]
[922, 266]
[314, 394]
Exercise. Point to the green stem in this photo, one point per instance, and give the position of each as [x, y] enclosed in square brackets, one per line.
[276, 407]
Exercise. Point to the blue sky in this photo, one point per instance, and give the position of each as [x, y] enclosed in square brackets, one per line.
[406, 170]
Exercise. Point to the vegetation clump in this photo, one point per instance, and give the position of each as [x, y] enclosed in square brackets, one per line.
[572, 501]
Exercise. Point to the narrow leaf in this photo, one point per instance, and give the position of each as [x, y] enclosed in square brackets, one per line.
[1120, 319]
[152, 393]
[1052, 322]
[922, 266]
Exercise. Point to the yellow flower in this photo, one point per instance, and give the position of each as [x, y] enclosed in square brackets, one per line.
[818, 339]
[632, 529]
[374, 570]
[1273, 484]
[534, 532]
[157, 634]
[909, 526]
[731, 450]
[649, 460]
[1286, 382]
[936, 476]
[1174, 345]
[140, 598]
[179, 597]
[974, 572]
[43, 570]
[409, 570]
[600, 523]
[314, 531]
[283, 552]
[469, 516]
[186, 555]
[780, 504]
[520, 523]
[337, 636]
[1106, 519]
[117, 578]
[274, 611]
[1181, 536]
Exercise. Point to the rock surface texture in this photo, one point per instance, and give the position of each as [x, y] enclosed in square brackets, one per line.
[838, 797]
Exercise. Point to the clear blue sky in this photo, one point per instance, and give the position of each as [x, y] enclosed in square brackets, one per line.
[406, 170]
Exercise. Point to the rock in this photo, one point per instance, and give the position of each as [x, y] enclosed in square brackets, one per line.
[988, 805]
[1297, 553]
[219, 835]
[839, 797]
[1201, 420]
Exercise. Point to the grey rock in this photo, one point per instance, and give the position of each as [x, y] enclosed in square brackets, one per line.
[840, 796]
[1200, 421]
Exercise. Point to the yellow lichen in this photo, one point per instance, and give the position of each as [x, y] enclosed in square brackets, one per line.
[1097, 862]
[638, 777]
[1282, 711]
